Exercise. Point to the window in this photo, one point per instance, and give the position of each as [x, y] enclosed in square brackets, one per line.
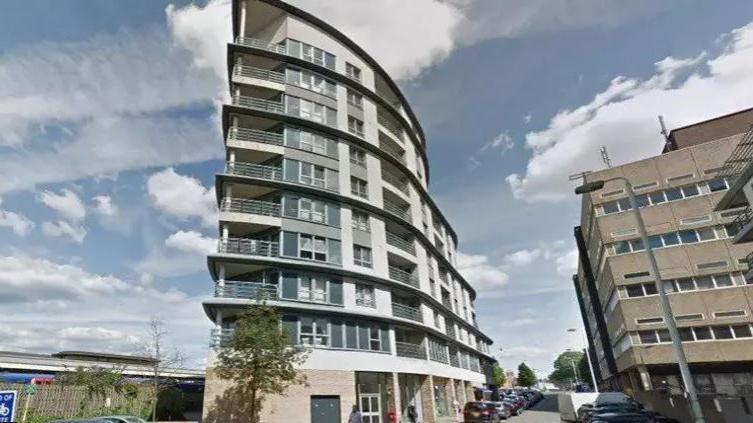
[688, 317]
[689, 236]
[649, 321]
[312, 175]
[729, 314]
[313, 332]
[313, 143]
[358, 187]
[636, 275]
[634, 290]
[352, 71]
[662, 196]
[648, 337]
[717, 185]
[702, 333]
[312, 289]
[722, 332]
[311, 54]
[312, 247]
[311, 210]
[355, 126]
[362, 256]
[355, 99]
[365, 296]
[357, 156]
[310, 110]
[360, 221]
[742, 331]
[311, 81]
[375, 342]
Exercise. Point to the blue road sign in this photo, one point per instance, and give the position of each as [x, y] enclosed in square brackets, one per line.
[8, 406]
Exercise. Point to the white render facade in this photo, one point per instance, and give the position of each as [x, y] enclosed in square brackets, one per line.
[324, 213]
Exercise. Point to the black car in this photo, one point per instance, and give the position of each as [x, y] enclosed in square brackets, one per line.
[622, 418]
[481, 412]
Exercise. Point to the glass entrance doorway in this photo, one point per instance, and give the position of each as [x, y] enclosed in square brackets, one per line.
[371, 408]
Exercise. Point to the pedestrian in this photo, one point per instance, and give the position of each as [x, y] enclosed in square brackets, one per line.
[412, 415]
[355, 416]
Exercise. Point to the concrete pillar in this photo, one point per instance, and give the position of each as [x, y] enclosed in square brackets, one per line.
[218, 319]
[645, 378]
[225, 232]
[427, 400]
[221, 276]
[469, 391]
[393, 394]
[242, 26]
[231, 155]
[234, 127]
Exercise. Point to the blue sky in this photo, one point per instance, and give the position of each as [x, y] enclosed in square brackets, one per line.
[109, 143]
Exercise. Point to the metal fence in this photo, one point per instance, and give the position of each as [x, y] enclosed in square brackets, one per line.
[247, 206]
[250, 246]
[254, 170]
[255, 135]
[259, 73]
[246, 290]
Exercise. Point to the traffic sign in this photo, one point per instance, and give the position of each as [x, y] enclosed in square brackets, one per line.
[8, 406]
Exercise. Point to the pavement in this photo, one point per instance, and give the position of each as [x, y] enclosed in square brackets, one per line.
[546, 411]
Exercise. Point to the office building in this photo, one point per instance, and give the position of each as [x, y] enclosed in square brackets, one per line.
[702, 267]
[325, 212]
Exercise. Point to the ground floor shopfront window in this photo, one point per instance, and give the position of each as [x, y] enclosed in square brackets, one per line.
[373, 396]
[441, 399]
[410, 396]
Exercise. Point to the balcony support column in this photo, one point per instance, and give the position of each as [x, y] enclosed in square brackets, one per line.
[228, 192]
[218, 319]
[221, 276]
[242, 26]
[225, 232]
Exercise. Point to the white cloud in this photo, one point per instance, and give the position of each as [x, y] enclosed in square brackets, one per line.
[182, 196]
[523, 258]
[43, 310]
[104, 206]
[63, 229]
[67, 204]
[502, 143]
[130, 71]
[18, 223]
[482, 275]
[567, 263]
[624, 116]
[191, 242]
[527, 118]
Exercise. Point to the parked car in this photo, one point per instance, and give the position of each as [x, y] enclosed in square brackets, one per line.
[481, 412]
[121, 419]
[503, 409]
[515, 404]
[622, 418]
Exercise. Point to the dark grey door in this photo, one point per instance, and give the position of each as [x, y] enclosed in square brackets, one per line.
[325, 409]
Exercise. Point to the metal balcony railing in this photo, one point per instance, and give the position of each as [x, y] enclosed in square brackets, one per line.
[254, 170]
[742, 219]
[219, 336]
[399, 211]
[449, 329]
[259, 73]
[250, 246]
[258, 104]
[246, 206]
[741, 158]
[401, 243]
[255, 135]
[446, 302]
[262, 44]
[407, 312]
[401, 275]
[396, 182]
[391, 127]
[408, 349]
[394, 152]
[365, 302]
[246, 290]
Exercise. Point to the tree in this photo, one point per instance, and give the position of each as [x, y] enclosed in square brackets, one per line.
[526, 376]
[163, 358]
[584, 370]
[97, 382]
[259, 358]
[499, 375]
[565, 367]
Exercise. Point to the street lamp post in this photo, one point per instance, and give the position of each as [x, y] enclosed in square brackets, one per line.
[588, 358]
[687, 378]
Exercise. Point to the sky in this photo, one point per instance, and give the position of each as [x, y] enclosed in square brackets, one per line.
[109, 142]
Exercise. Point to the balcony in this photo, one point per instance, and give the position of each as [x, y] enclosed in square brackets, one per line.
[389, 147]
[400, 275]
[246, 206]
[408, 349]
[253, 170]
[449, 328]
[246, 290]
[261, 44]
[396, 182]
[219, 336]
[258, 73]
[254, 135]
[407, 312]
[400, 211]
[258, 104]
[399, 242]
[366, 302]
[250, 246]
[392, 128]
[446, 302]
[742, 226]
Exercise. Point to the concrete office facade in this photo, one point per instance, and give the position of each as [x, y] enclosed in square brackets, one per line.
[702, 269]
[324, 212]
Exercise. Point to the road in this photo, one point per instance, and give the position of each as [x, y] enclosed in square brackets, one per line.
[546, 411]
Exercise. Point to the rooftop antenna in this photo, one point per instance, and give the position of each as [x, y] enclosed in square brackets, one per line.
[605, 156]
[664, 129]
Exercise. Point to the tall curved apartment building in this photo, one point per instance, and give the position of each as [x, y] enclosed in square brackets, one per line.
[324, 212]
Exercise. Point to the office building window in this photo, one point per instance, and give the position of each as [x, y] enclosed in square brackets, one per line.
[362, 256]
[365, 296]
[359, 187]
[360, 221]
[352, 71]
[355, 126]
[357, 156]
[313, 247]
[355, 99]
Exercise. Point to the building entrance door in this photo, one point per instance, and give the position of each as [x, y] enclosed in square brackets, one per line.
[371, 408]
[325, 409]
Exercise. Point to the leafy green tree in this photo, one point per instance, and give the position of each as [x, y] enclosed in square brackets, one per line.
[584, 370]
[499, 375]
[526, 376]
[259, 358]
[564, 368]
